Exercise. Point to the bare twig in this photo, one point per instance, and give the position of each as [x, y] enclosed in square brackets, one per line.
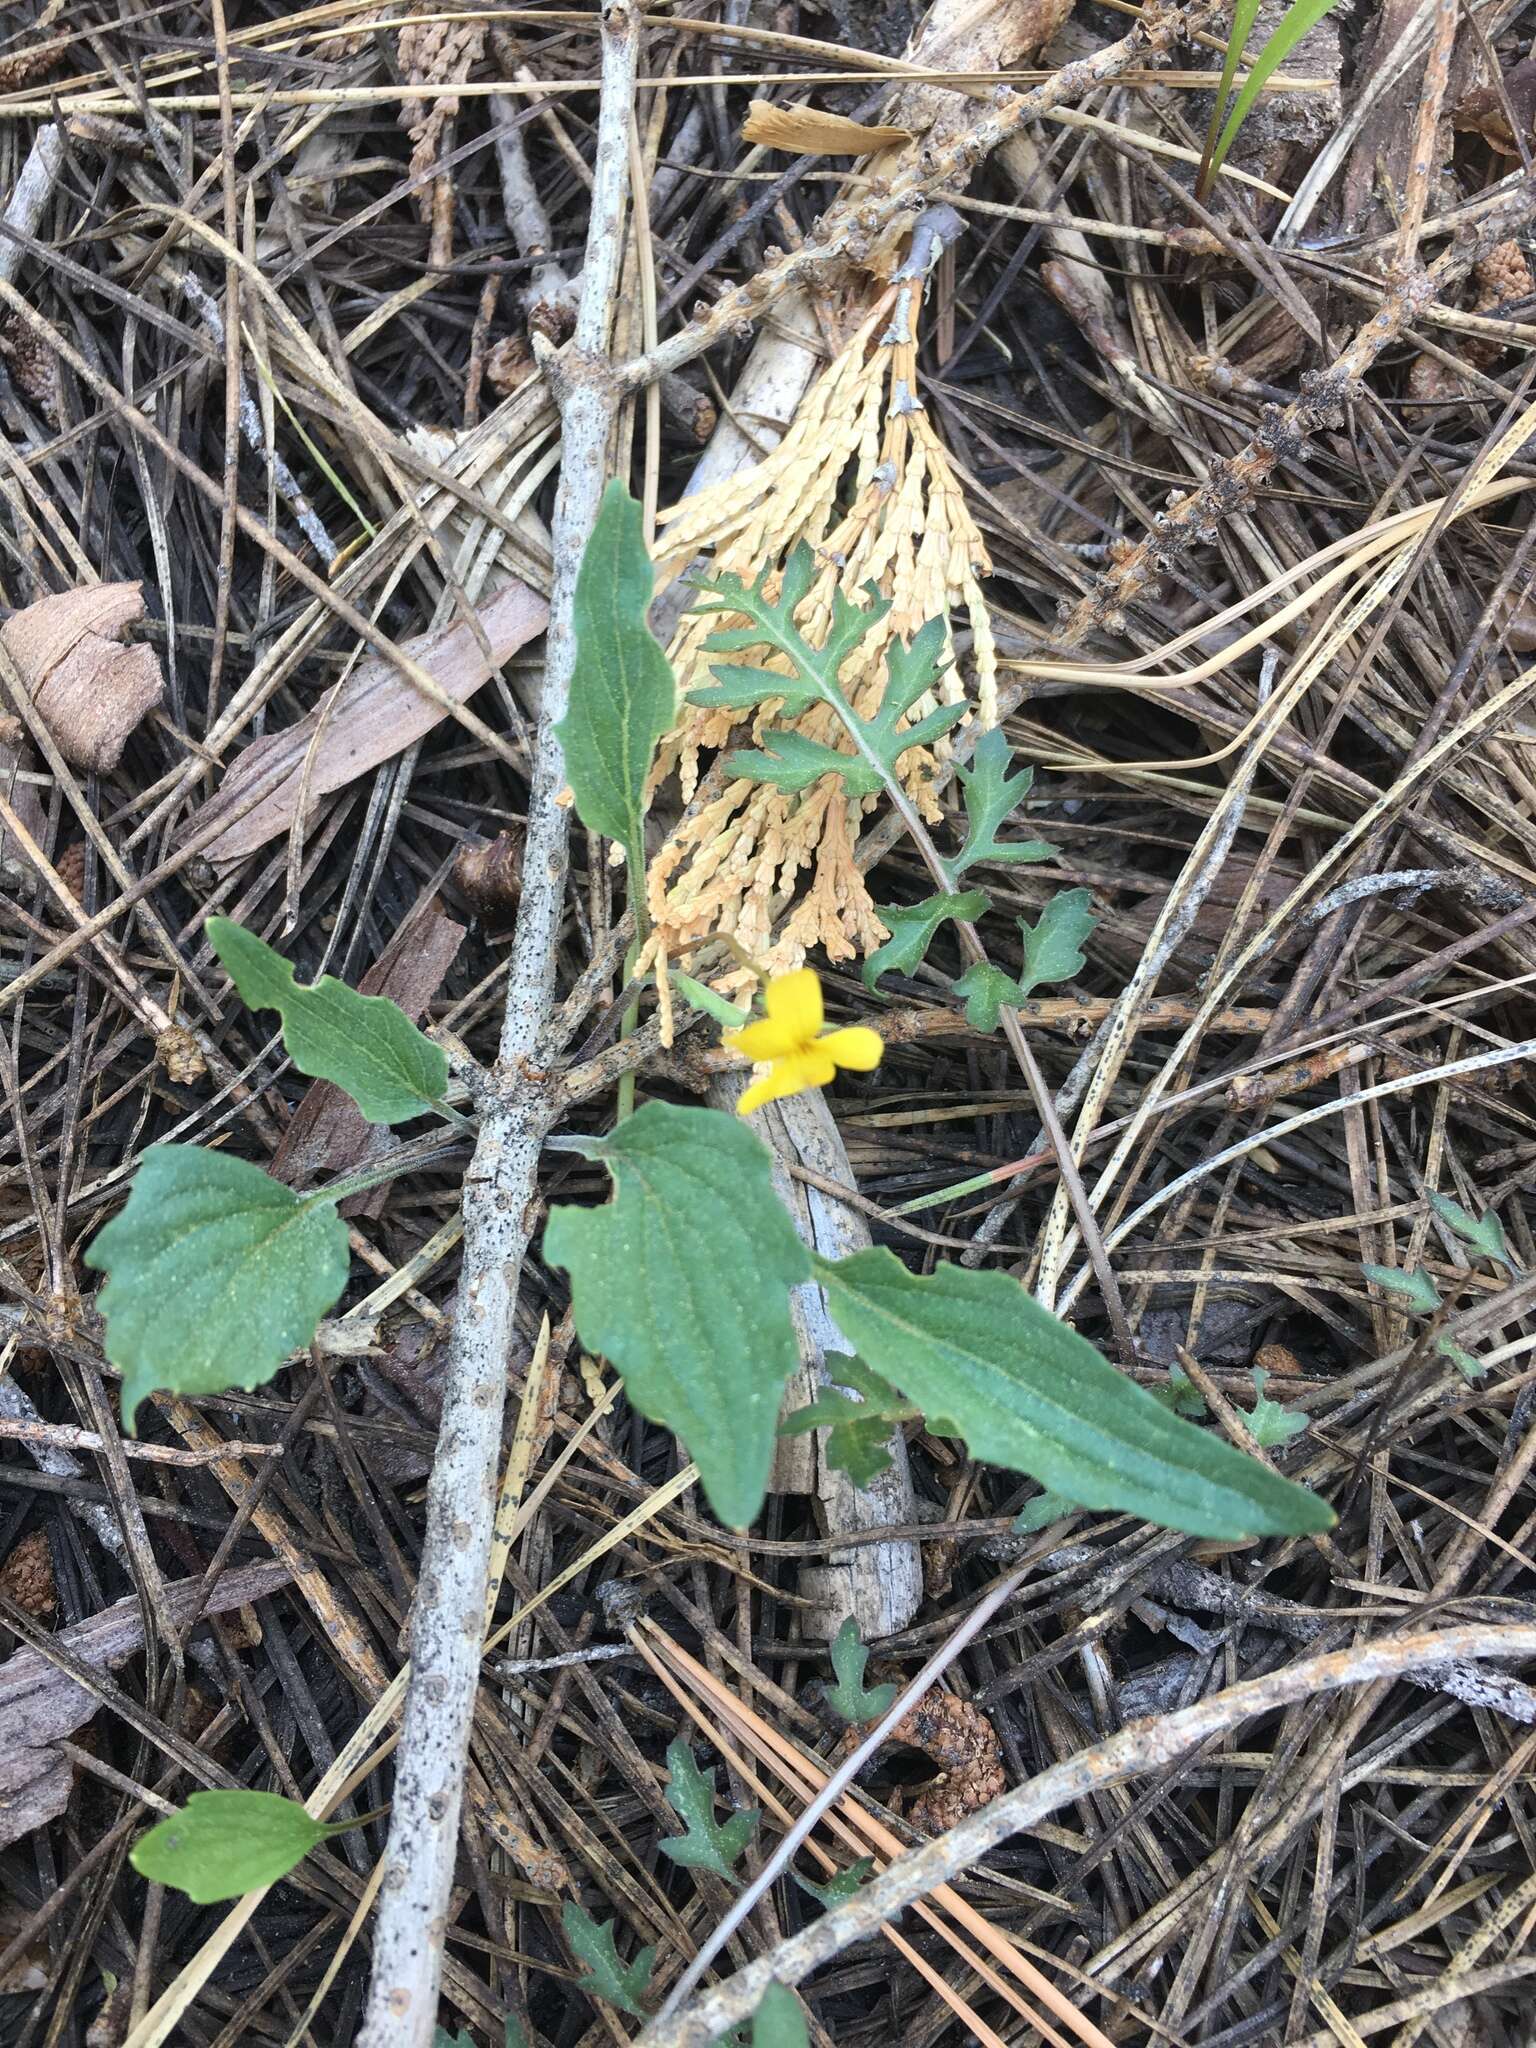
[449, 1615]
[1145, 1746]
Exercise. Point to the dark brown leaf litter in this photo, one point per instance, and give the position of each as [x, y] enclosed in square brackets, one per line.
[1327, 1041]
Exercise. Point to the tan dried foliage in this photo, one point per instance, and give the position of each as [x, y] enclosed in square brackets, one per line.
[863, 478]
[435, 52]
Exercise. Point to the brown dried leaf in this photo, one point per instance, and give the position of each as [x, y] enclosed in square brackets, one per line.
[90, 690]
[810, 131]
[376, 715]
[1486, 110]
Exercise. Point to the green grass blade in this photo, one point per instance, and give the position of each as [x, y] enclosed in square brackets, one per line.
[1297, 22]
[1244, 15]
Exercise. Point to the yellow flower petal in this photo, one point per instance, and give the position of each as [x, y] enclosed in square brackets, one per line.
[789, 1076]
[854, 1046]
[794, 1001]
[767, 1039]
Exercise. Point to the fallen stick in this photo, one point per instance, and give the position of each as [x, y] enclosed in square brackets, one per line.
[1144, 1746]
[448, 1619]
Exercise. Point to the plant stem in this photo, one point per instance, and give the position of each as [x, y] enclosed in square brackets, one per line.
[447, 1622]
[634, 868]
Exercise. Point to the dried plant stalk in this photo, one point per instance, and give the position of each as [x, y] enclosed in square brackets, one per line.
[864, 479]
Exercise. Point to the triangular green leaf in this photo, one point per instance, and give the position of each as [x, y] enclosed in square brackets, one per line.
[1414, 1290]
[1485, 1234]
[1053, 946]
[223, 1844]
[623, 695]
[985, 989]
[992, 796]
[1269, 1423]
[701, 1334]
[707, 1845]
[838, 1890]
[620, 1984]
[912, 927]
[365, 1044]
[215, 1274]
[792, 762]
[1032, 1395]
[849, 1697]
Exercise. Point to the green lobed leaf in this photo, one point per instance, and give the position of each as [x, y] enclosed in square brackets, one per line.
[837, 1890]
[992, 796]
[1414, 1290]
[1181, 1396]
[708, 1844]
[912, 927]
[858, 1432]
[1268, 1422]
[223, 1844]
[791, 761]
[1485, 1234]
[683, 1281]
[1030, 1394]
[365, 1044]
[216, 1273]
[1053, 946]
[623, 694]
[618, 1983]
[850, 1698]
[985, 989]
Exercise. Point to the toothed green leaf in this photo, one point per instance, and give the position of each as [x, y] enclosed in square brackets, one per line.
[992, 796]
[1030, 1394]
[1268, 1422]
[1485, 1234]
[737, 687]
[912, 928]
[839, 1889]
[708, 1844]
[792, 762]
[858, 1432]
[985, 989]
[850, 1698]
[703, 1339]
[617, 1983]
[216, 1273]
[623, 694]
[1414, 1290]
[1053, 946]
[365, 1044]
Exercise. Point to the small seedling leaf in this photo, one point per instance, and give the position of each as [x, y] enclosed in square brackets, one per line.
[837, 1890]
[1053, 946]
[992, 796]
[617, 1983]
[223, 1844]
[1414, 1290]
[708, 1844]
[1044, 1508]
[1485, 1234]
[1030, 1394]
[704, 1341]
[365, 1044]
[858, 1432]
[1297, 22]
[623, 695]
[912, 927]
[215, 1274]
[1466, 1364]
[849, 1697]
[1269, 1423]
[985, 989]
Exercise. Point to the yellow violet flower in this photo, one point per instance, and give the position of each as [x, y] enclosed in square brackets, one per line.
[798, 1053]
